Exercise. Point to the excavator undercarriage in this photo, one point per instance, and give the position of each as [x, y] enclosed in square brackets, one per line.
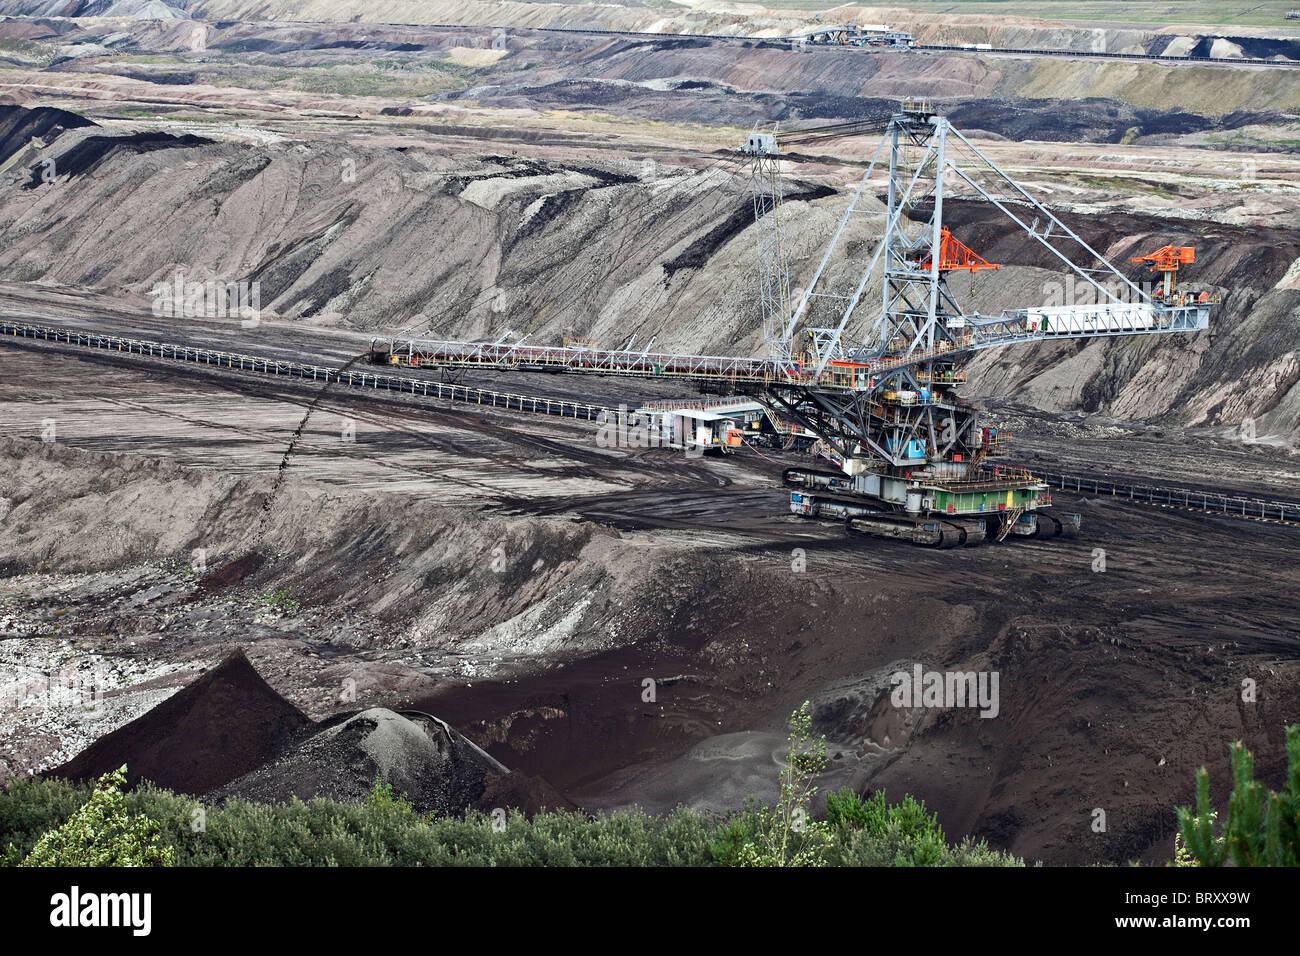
[827, 496]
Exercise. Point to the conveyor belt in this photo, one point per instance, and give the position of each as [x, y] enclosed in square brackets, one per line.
[346, 376]
[1187, 499]
[1130, 489]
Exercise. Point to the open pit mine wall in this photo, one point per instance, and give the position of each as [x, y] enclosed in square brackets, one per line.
[734, 83]
[753, 20]
[479, 244]
[747, 20]
[750, 20]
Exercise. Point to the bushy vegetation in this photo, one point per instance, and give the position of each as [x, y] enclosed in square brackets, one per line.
[384, 831]
[50, 821]
[102, 831]
[1262, 827]
[906, 832]
[53, 823]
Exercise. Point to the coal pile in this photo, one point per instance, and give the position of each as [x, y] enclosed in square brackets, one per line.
[219, 727]
[18, 125]
[87, 156]
[229, 734]
[528, 795]
[438, 769]
[1089, 120]
[1261, 48]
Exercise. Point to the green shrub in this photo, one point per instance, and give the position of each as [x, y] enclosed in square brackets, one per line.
[30, 807]
[971, 852]
[384, 830]
[378, 833]
[1262, 827]
[881, 835]
[102, 832]
[381, 799]
[734, 833]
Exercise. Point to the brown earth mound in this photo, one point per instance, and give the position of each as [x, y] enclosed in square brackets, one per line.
[221, 726]
[528, 795]
[232, 572]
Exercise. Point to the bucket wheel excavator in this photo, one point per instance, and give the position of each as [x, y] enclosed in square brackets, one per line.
[912, 458]
[873, 369]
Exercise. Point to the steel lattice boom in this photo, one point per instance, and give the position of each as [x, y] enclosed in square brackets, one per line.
[902, 437]
[879, 387]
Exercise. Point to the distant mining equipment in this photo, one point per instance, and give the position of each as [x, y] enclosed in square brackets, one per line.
[903, 455]
[850, 34]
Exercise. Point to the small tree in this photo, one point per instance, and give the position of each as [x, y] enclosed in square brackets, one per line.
[1262, 827]
[787, 835]
[103, 833]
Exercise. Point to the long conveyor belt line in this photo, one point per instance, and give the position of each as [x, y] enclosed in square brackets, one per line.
[1185, 498]
[563, 408]
[1211, 502]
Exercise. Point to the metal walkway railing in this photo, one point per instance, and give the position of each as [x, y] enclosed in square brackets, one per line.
[345, 376]
[1209, 501]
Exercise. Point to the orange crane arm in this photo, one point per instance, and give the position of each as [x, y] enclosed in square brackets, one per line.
[1167, 258]
[956, 255]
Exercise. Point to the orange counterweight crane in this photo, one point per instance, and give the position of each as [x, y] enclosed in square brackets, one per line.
[1166, 260]
[954, 254]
